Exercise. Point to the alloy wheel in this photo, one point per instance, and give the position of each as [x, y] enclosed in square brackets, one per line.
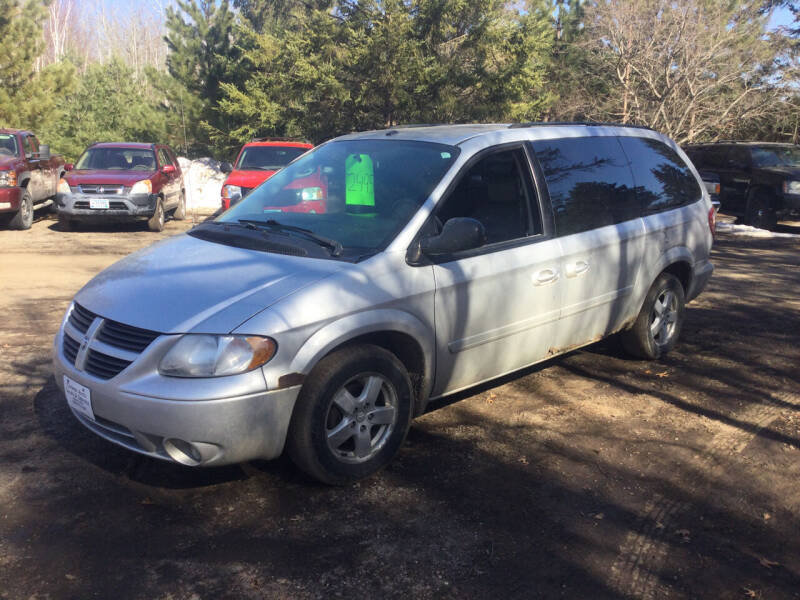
[361, 417]
[664, 317]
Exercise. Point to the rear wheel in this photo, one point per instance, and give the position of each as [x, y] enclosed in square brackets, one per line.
[24, 217]
[655, 331]
[351, 416]
[179, 214]
[760, 212]
[156, 222]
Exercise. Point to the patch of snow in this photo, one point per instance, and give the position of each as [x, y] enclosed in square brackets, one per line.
[749, 230]
[203, 180]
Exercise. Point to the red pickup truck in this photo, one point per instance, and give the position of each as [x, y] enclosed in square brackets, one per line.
[29, 175]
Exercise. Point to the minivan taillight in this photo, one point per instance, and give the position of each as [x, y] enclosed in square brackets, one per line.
[712, 221]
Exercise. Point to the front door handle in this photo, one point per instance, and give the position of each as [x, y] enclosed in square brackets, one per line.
[545, 276]
[577, 268]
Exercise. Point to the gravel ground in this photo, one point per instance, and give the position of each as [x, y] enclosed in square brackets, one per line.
[590, 476]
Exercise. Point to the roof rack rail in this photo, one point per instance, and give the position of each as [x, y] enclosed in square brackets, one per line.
[278, 139]
[413, 125]
[581, 123]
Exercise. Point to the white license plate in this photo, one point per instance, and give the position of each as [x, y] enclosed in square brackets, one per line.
[98, 203]
[79, 397]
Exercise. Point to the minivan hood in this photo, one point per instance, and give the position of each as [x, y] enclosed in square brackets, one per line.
[186, 284]
[126, 178]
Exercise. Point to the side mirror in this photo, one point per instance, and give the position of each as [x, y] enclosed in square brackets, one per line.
[226, 167]
[458, 234]
[167, 169]
[44, 152]
[69, 167]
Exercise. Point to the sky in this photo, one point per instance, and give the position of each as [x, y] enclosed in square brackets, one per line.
[781, 16]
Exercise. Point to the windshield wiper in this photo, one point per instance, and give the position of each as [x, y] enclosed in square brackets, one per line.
[333, 245]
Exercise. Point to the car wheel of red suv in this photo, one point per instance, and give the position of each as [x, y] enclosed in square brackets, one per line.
[156, 222]
[179, 214]
[24, 217]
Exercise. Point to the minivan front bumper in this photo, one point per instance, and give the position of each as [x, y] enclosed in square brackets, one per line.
[194, 431]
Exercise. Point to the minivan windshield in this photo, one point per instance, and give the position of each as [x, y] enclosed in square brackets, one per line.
[267, 158]
[355, 194]
[117, 159]
[777, 156]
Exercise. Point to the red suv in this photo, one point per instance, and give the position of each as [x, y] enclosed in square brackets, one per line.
[258, 161]
[123, 181]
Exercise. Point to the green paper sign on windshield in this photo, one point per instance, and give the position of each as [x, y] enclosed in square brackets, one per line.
[360, 184]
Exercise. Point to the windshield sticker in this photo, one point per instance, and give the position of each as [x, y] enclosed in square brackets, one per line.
[360, 184]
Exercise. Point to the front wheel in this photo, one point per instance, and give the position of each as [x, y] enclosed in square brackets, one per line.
[352, 415]
[24, 217]
[655, 331]
[156, 222]
[65, 223]
[760, 214]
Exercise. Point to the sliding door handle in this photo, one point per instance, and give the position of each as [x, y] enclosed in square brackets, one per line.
[577, 268]
[545, 276]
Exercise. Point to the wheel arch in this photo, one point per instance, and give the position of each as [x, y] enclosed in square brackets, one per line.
[678, 261]
[398, 332]
[761, 189]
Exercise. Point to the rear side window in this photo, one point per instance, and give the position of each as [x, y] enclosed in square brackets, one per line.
[589, 181]
[663, 180]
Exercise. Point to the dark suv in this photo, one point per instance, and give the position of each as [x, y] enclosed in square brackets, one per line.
[758, 181]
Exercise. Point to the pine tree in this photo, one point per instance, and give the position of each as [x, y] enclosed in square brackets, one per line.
[28, 97]
[202, 53]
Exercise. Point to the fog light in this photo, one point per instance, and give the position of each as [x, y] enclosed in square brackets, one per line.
[183, 452]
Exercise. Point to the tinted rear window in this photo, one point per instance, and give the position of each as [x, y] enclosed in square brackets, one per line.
[589, 181]
[663, 180]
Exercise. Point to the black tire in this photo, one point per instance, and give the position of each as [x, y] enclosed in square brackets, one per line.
[24, 217]
[156, 222]
[338, 446]
[655, 331]
[65, 223]
[760, 212]
[179, 214]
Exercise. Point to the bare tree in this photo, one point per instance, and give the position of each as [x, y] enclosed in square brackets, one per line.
[694, 69]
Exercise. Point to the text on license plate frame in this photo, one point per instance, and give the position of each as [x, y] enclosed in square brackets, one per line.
[79, 398]
[98, 203]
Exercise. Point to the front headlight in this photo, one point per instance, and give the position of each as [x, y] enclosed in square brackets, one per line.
[145, 186]
[231, 191]
[63, 187]
[791, 187]
[216, 355]
[311, 193]
[8, 178]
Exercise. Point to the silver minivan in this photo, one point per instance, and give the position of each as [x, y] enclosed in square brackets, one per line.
[377, 272]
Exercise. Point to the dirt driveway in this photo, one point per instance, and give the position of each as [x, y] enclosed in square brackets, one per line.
[592, 476]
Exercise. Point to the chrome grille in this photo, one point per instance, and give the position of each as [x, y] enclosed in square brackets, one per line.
[80, 318]
[104, 366]
[108, 346]
[125, 336]
[101, 189]
[70, 348]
